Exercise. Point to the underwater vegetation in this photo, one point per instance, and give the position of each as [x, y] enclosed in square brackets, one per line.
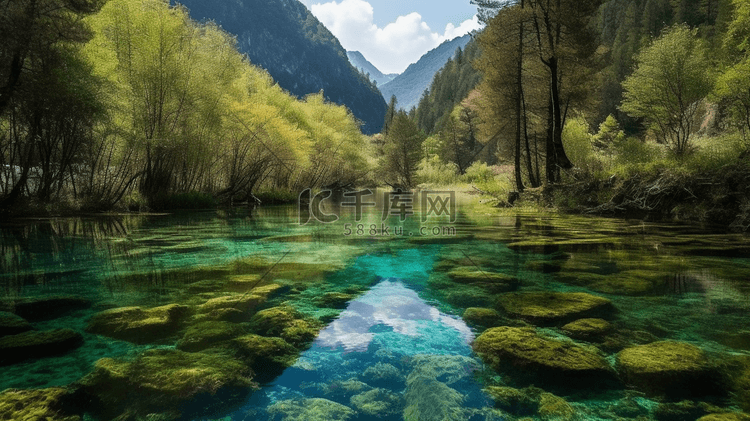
[530, 318]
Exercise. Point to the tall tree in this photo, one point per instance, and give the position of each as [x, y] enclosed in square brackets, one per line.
[670, 79]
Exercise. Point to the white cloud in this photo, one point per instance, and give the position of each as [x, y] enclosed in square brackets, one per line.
[391, 48]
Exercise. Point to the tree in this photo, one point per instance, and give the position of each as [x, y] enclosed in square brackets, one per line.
[31, 27]
[402, 152]
[670, 80]
[733, 84]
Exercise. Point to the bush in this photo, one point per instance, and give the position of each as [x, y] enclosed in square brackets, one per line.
[479, 172]
[433, 171]
[277, 197]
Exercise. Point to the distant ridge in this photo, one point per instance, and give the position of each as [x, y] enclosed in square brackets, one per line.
[298, 51]
[360, 62]
[409, 85]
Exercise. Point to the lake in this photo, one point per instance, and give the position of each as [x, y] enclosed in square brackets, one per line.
[480, 314]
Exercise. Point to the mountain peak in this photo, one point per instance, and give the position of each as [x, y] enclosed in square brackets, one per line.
[409, 85]
[359, 61]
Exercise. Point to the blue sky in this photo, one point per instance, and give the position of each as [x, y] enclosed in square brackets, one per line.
[394, 33]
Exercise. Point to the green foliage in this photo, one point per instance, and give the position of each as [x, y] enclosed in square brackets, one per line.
[579, 144]
[449, 87]
[667, 85]
[402, 152]
[434, 171]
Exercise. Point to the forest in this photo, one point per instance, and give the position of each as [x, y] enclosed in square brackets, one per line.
[610, 107]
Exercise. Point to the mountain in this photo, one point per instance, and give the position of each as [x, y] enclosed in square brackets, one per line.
[449, 86]
[301, 54]
[409, 86]
[360, 62]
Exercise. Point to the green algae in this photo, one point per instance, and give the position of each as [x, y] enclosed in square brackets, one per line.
[587, 328]
[265, 353]
[377, 402]
[480, 316]
[509, 349]
[313, 409]
[519, 402]
[666, 368]
[725, 416]
[553, 307]
[208, 334]
[38, 344]
[11, 324]
[138, 325]
[287, 323]
[53, 404]
[165, 381]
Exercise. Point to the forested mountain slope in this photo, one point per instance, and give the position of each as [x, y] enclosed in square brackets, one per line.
[300, 53]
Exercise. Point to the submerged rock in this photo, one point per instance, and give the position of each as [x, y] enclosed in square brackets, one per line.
[207, 334]
[678, 411]
[519, 402]
[383, 375]
[315, 409]
[287, 323]
[11, 324]
[487, 280]
[428, 399]
[53, 404]
[666, 368]
[448, 369]
[587, 328]
[46, 308]
[480, 316]
[741, 384]
[554, 307]
[726, 416]
[334, 300]
[137, 325]
[166, 381]
[38, 344]
[555, 408]
[377, 403]
[523, 352]
[268, 356]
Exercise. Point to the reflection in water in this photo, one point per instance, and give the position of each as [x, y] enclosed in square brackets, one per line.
[389, 349]
[391, 307]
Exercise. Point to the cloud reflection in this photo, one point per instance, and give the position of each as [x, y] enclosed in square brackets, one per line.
[388, 304]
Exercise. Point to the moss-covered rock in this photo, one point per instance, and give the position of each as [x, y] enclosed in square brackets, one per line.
[267, 356]
[11, 324]
[46, 308]
[726, 416]
[531, 357]
[53, 404]
[343, 390]
[490, 281]
[231, 315]
[448, 369]
[679, 411]
[740, 381]
[334, 300]
[166, 381]
[480, 316]
[383, 375]
[554, 307]
[555, 408]
[519, 402]
[38, 344]
[668, 368]
[587, 328]
[287, 323]
[315, 409]
[241, 302]
[138, 325]
[377, 403]
[243, 283]
[207, 335]
[429, 399]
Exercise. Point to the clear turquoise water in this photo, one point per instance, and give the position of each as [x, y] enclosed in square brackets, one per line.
[399, 349]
